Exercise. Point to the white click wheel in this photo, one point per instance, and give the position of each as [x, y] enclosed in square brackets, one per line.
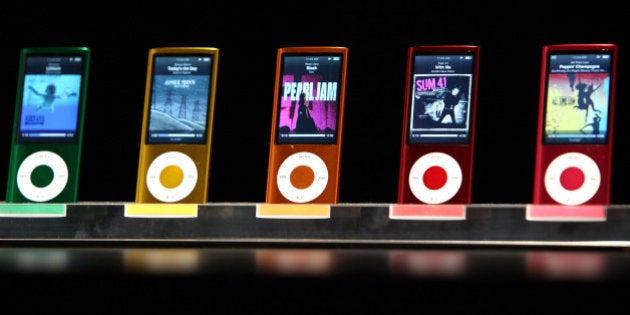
[572, 178]
[435, 178]
[171, 177]
[37, 166]
[302, 177]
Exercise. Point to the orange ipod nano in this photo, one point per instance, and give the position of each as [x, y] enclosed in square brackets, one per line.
[307, 123]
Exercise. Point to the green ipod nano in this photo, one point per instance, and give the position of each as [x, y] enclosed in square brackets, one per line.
[48, 125]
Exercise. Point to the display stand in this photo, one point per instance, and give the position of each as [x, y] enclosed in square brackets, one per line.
[293, 211]
[480, 224]
[593, 213]
[33, 210]
[427, 212]
[160, 210]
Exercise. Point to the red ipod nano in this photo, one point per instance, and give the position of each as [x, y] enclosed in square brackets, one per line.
[575, 124]
[439, 125]
[306, 131]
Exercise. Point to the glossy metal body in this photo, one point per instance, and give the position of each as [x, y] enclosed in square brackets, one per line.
[69, 152]
[462, 153]
[199, 153]
[600, 153]
[330, 153]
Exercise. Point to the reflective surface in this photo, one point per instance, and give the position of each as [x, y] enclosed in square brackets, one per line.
[326, 279]
[579, 265]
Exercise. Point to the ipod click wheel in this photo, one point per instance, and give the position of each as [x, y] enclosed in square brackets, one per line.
[42, 176]
[572, 179]
[302, 177]
[435, 178]
[171, 177]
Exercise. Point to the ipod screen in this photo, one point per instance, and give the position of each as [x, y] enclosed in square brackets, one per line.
[180, 92]
[441, 90]
[309, 99]
[49, 109]
[577, 98]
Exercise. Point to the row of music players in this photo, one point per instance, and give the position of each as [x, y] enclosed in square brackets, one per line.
[573, 152]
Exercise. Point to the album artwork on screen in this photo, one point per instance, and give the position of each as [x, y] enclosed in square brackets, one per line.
[309, 99]
[577, 98]
[49, 108]
[440, 99]
[180, 87]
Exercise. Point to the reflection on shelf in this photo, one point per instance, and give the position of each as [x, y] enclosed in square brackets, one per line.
[577, 265]
[433, 263]
[161, 261]
[279, 262]
[566, 265]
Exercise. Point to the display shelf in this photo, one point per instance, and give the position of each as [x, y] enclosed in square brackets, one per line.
[481, 224]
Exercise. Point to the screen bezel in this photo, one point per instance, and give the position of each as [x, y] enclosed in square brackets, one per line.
[471, 95]
[279, 90]
[80, 99]
[152, 141]
[545, 139]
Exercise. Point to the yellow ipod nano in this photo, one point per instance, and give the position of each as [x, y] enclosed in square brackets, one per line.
[177, 123]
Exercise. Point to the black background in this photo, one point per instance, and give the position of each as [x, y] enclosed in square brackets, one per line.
[511, 35]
